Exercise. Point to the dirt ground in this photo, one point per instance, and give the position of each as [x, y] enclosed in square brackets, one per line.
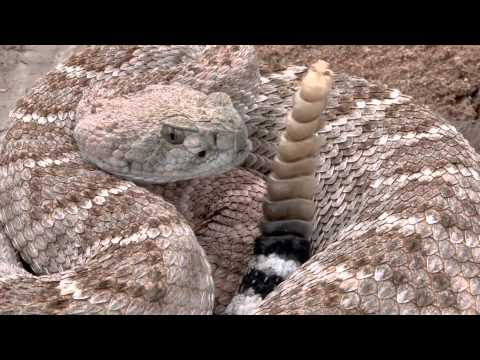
[21, 66]
[446, 78]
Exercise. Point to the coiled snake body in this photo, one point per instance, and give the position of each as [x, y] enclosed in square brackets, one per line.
[397, 199]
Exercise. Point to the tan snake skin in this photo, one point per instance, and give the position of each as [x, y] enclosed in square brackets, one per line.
[396, 226]
[395, 229]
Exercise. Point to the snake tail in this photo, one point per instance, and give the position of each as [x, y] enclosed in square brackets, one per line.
[289, 206]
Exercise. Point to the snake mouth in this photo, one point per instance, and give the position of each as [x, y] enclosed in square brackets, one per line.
[198, 155]
[223, 162]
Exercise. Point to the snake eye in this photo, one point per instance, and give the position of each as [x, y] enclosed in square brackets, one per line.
[173, 135]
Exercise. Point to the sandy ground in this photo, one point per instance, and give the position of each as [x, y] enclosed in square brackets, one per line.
[446, 78]
[21, 66]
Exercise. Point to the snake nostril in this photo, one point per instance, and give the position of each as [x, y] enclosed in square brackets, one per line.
[202, 154]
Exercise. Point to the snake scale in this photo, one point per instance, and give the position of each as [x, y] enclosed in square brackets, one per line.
[150, 213]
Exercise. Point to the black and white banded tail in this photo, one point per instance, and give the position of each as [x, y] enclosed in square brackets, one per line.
[289, 207]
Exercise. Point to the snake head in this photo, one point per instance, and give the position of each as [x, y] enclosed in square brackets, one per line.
[162, 134]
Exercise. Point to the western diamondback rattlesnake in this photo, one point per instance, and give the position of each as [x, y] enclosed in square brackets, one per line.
[396, 225]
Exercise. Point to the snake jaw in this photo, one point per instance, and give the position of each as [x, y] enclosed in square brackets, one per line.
[163, 134]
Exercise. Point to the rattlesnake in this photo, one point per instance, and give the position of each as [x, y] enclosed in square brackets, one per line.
[397, 200]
